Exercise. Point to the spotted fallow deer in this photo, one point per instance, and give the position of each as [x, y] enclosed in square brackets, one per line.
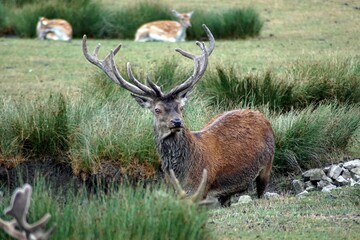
[54, 29]
[165, 31]
[235, 147]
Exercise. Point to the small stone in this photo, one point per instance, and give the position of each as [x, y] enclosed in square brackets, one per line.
[346, 174]
[328, 188]
[302, 194]
[321, 184]
[334, 171]
[341, 181]
[327, 179]
[308, 184]
[355, 171]
[310, 188]
[353, 182]
[244, 199]
[356, 177]
[269, 195]
[352, 164]
[326, 169]
[298, 186]
[315, 174]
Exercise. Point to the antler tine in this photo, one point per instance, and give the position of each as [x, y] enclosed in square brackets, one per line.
[200, 64]
[155, 91]
[177, 186]
[18, 209]
[198, 195]
[108, 66]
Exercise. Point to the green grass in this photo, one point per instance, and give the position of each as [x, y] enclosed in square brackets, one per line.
[93, 18]
[319, 215]
[123, 213]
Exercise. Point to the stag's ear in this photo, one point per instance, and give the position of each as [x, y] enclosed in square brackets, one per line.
[183, 97]
[143, 102]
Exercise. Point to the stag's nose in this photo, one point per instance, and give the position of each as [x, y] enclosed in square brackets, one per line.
[176, 122]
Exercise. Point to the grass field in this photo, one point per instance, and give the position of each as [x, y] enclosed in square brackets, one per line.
[294, 31]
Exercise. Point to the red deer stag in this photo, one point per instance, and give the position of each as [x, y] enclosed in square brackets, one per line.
[235, 147]
[165, 31]
[53, 29]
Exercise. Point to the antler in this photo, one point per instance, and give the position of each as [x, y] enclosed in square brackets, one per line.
[200, 64]
[108, 66]
[18, 209]
[199, 193]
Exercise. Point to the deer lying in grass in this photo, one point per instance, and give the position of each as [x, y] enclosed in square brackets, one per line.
[18, 228]
[235, 147]
[165, 31]
[53, 29]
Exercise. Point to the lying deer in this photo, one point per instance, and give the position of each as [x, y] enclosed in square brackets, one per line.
[235, 147]
[54, 29]
[165, 31]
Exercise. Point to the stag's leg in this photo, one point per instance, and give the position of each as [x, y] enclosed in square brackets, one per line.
[263, 180]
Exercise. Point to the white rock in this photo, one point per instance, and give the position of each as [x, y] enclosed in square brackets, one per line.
[334, 171]
[328, 188]
[310, 188]
[302, 194]
[355, 171]
[341, 181]
[269, 195]
[298, 186]
[352, 164]
[244, 199]
[346, 174]
[315, 174]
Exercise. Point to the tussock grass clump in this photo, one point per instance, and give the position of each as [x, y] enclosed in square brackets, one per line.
[326, 80]
[123, 213]
[228, 88]
[83, 15]
[228, 24]
[91, 18]
[35, 128]
[309, 137]
[304, 85]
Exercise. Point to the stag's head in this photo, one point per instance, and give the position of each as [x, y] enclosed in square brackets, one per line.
[166, 107]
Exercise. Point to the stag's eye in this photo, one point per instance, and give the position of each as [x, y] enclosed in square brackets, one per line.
[157, 110]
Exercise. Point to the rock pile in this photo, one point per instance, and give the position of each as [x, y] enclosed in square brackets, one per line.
[329, 178]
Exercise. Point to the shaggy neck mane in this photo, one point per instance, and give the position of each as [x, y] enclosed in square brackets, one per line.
[175, 152]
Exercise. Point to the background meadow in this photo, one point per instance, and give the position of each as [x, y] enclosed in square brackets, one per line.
[301, 68]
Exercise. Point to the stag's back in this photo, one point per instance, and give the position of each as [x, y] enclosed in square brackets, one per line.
[239, 144]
